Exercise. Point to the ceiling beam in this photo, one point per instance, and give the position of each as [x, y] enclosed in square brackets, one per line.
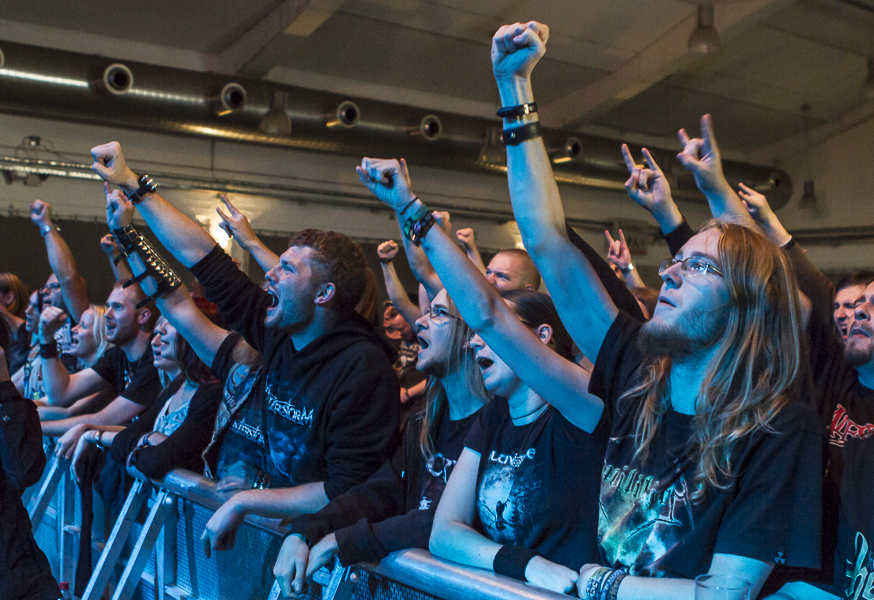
[665, 56]
[291, 17]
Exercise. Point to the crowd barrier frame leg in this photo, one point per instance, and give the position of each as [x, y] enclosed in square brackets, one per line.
[68, 532]
[152, 528]
[36, 508]
[137, 496]
[165, 552]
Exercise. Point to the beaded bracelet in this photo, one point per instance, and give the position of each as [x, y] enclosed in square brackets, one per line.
[594, 584]
[607, 586]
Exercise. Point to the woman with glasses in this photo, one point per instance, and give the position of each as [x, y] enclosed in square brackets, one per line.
[523, 498]
[394, 508]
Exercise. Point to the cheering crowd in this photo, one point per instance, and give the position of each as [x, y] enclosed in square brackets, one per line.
[606, 440]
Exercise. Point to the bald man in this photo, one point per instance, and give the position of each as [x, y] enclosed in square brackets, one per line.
[513, 269]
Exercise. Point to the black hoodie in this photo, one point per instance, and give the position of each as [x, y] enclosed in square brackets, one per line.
[331, 409]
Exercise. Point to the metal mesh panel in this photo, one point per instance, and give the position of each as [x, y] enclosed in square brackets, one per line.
[373, 586]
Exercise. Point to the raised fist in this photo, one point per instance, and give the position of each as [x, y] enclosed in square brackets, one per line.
[50, 321]
[466, 237]
[443, 220]
[41, 213]
[108, 245]
[110, 165]
[119, 210]
[388, 179]
[517, 48]
[387, 251]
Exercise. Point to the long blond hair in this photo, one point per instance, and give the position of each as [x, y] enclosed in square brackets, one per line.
[461, 358]
[755, 371]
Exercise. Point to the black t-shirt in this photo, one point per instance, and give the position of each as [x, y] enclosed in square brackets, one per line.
[405, 365]
[243, 444]
[394, 508]
[537, 484]
[853, 433]
[770, 511]
[136, 381]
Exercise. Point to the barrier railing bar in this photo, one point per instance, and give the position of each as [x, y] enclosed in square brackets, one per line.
[115, 544]
[165, 563]
[36, 509]
[127, 585]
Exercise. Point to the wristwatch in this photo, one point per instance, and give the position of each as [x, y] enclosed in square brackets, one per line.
[45, 229]
[627, 269]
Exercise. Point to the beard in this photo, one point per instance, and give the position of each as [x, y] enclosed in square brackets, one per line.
[859, 351]
[692, 335]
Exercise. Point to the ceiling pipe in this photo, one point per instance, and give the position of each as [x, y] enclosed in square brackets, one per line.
[55, 84]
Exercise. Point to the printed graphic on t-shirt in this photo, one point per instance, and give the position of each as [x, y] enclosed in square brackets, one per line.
[843, 427]
[860, 572]
[408, 353]
[641, 520]
[285, 408]
[508, 496]
[287, 430]
[440, 468]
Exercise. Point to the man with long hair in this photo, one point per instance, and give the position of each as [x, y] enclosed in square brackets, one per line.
[711, 462]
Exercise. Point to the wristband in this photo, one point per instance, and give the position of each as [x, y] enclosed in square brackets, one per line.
[99, 441]
[593, 587]
[421, 227]
[385, 261]
[409, 204]
[409, 223]
[627, 269]
[147, 186]
[607, 585]
[512, 561]
[49, 350]
[518, 111]
[45, 229]
[613, 593]
[517, 135]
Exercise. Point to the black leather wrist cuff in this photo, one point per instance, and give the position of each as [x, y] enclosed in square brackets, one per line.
[155, 276]
[518, 111]
[512, 561]
[517, 135]
[147, 186]
[48, 350]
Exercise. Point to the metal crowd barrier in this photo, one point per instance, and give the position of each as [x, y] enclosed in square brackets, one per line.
[154, 552]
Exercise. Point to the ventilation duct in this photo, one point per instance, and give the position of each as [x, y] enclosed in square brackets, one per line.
[54, 84]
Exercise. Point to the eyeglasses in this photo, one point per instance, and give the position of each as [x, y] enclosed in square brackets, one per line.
[440, 316]
[694, 266]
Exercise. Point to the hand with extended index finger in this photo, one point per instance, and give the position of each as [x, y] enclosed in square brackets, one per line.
[388, 179]
[755, 203]
[647, 185]
[235, 223]
[701, 156]
[517, 48]
[119, 210]
[617, 252]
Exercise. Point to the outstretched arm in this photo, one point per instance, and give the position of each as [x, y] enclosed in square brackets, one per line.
[559, 381]
[701, 156]
[237, 226]
[204, 336]
[579, 297]
[181, 235]
[396, 293]
[61, 259]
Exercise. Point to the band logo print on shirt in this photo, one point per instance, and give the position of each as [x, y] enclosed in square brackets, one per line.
[861, 577]
[843, 427]
[288, 410]
[514, 460]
